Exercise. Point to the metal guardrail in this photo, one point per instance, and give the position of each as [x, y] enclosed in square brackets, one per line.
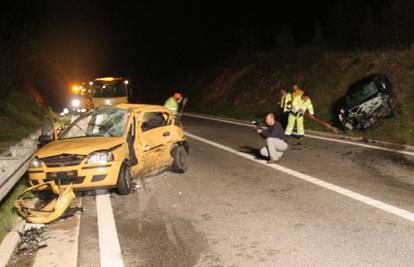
[15, 162]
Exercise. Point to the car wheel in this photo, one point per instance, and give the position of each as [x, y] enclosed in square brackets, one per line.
[124, 180]
[179, 155]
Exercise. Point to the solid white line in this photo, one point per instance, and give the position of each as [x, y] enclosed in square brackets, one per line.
[340, 190]
[310, 135]
[109, 248]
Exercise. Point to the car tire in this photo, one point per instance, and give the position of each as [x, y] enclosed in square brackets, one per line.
[180, 163]
[124, 180]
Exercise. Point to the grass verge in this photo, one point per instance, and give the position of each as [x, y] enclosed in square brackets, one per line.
[8, 215]
[19, 117]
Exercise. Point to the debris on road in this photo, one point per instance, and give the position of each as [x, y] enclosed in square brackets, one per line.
[32, 240]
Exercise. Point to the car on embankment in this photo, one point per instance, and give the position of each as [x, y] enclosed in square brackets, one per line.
[107, 146]
[367, 101]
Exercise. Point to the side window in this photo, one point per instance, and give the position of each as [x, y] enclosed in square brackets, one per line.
[153, 120]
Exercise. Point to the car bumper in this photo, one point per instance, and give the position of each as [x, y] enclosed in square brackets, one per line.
[84, 176]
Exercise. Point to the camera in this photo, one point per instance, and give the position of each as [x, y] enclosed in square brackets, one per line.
[258, 124]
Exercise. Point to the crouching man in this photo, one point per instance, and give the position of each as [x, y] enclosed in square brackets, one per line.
[276, 143]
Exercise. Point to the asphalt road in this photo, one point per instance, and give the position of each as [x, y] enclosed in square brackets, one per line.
[227, 210]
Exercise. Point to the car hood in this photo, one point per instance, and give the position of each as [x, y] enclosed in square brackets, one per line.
[80, 146]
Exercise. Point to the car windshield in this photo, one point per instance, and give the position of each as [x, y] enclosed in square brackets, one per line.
[109, 90]
[359, 93]
[106, 121]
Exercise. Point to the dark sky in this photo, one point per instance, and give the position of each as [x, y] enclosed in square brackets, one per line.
[155, 40]
[117, 37]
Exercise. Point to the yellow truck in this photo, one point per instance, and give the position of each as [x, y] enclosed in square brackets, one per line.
[109, 91]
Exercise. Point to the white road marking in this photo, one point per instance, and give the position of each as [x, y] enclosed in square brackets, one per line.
[310, 135]
[340, 190]
[109, 248]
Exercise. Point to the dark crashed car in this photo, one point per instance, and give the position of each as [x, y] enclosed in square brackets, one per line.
[366, 101]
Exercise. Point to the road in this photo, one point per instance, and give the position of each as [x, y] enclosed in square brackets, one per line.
[231, 210]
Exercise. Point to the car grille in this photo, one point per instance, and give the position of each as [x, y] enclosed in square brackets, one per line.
[63, 160]
[64, 178]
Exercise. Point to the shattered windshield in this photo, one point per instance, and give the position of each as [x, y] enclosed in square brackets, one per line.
[106, 121]
[359, 93]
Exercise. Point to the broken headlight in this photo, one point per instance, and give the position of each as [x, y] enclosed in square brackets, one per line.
[100, 157]
[35, 163]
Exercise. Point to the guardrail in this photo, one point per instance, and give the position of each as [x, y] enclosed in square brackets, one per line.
[14, 163]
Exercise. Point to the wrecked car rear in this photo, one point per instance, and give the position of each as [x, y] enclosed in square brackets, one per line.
[366, 101]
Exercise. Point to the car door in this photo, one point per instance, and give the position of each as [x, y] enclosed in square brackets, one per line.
[156, 136]
[135, 149]
[48, 132]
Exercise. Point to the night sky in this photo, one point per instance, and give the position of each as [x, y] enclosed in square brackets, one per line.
[154, 39]
[161, 42]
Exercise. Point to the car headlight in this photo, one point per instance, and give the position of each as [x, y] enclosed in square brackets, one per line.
[35, 163]
[75, 103]
[100, 157]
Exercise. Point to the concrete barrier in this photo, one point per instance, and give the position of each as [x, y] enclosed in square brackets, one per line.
[14, 163]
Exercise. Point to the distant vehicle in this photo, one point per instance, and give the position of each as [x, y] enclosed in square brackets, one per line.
[80, 104]
[109, 91]
[102, 148]
[366, 101]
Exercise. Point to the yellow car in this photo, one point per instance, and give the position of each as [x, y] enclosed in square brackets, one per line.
[107, 146]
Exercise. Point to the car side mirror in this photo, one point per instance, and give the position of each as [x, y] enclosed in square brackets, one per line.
[43, 140]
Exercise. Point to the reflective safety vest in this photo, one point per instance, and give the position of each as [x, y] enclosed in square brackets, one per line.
[287, 102]
[298, 92]
[172, 104]
[299, 106]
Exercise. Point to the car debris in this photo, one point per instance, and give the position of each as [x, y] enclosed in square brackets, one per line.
[366, 101]
[36, 208]
[32, 240]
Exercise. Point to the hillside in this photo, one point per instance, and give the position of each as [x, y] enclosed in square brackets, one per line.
[248, 88]
[21, 113]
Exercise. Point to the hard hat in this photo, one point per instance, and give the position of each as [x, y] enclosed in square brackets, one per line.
[177, 96]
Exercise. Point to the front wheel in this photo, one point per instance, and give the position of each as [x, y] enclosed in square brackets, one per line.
[124, 180]
[180, 163]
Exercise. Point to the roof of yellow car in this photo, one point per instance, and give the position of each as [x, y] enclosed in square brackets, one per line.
[142, 107]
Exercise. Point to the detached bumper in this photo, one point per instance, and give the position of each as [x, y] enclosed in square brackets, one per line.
[33, 211]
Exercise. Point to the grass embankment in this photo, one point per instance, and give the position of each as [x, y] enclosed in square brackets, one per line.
[249, 88]
[19, 117]
[8, 215]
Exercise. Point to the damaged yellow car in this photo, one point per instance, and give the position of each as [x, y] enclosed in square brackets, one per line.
[107, 146]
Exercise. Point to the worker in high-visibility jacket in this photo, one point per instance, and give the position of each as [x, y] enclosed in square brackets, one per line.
[285, 104]
[173, 103]
[300, 105]
[296, 91]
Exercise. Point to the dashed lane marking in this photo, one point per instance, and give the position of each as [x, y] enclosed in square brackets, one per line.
[109, 248]
[340, 190]
[310, 135]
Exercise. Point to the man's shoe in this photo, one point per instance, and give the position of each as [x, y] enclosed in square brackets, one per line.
[272, 161]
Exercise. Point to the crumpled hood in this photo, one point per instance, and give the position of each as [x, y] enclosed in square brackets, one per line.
[80, 146]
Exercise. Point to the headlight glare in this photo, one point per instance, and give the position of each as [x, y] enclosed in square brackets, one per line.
[75, 103]
[35, 163]
[100, 157]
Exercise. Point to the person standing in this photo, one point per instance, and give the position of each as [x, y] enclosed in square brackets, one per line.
[297, 92]
[276, 144]
[173, 103]
[300, 105]
[285, 105]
